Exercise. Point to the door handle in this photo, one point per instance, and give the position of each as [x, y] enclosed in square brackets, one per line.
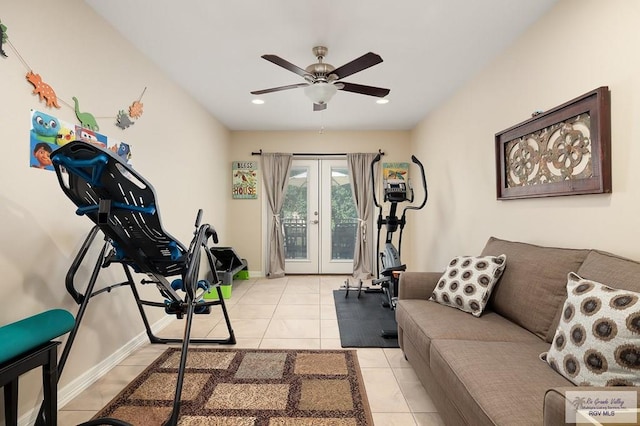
[315, 222]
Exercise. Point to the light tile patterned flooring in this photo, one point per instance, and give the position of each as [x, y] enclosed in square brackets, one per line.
[294, 312]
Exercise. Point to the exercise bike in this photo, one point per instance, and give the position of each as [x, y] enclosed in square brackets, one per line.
[396, 190]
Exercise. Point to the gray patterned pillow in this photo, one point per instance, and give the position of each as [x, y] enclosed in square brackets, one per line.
[468, 281]
[597, 342]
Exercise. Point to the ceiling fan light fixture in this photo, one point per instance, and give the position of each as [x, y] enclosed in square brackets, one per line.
[382, 101]
[320, 93]
[257, 101]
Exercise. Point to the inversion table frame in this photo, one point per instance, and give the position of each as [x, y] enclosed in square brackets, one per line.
[123, 207]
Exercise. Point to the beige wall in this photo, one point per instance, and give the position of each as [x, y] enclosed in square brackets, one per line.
[579, 46]
[176, 145]
[245, 222]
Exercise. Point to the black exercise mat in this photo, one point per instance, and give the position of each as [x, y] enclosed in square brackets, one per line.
[362, 320]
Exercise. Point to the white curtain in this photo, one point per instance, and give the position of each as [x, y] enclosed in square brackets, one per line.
[275, 171]
[362, 190]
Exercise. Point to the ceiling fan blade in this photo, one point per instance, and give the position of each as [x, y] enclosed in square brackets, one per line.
[319, 107]
[362, 63]
[285, 64]
[277, 89]
[363, 90]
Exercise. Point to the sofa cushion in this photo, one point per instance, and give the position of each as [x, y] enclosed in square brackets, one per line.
[424, 320]
[467, 282]
[533, 285]
[494, 382]
[597, 342]
[608, 268]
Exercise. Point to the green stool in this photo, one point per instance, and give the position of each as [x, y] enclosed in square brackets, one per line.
[27, 344]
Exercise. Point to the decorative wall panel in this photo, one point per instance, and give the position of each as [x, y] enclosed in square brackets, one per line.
[564, 151]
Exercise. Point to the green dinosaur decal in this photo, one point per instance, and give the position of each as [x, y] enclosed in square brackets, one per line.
[86, 119]
[3, 38]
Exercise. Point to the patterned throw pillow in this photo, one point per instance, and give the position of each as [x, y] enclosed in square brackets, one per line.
[468, 281]
[597, 342]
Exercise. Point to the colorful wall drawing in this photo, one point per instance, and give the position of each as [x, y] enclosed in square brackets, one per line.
[395, 171]
[245, 179]
[48, 133]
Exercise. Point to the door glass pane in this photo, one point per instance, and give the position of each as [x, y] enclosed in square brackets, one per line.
[344, 219]
[294, 214]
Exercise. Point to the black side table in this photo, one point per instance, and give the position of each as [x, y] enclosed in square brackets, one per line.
[45, 356]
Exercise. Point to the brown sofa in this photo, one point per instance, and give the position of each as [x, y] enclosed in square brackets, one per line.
[487, 370]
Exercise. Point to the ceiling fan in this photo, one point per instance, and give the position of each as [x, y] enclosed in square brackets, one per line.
[323, 80]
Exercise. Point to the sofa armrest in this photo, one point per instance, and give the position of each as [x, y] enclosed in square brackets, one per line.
[554, 402]
[417, 285]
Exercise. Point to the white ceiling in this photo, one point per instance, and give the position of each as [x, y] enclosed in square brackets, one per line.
[212, 49]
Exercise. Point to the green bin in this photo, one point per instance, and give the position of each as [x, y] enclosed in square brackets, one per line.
[213, 293]
[242, 275]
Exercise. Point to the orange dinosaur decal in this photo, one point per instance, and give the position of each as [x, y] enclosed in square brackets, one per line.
[135, 110]
[42, 89]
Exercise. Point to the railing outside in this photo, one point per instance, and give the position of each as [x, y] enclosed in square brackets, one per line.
[343, 236]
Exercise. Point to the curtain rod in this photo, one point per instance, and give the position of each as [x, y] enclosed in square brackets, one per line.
[316, 154]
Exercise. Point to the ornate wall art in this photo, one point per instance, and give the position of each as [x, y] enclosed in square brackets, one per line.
[563, 151]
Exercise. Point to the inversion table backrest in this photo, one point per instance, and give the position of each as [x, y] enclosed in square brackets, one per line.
[122, 203]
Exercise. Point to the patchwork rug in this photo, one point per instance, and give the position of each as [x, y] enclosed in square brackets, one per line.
[254, 387]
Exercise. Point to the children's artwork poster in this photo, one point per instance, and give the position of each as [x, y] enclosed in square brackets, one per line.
[245, 180]
[395, 171]
[48, 133]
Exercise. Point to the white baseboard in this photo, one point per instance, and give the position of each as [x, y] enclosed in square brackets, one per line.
[75, 387]
[256, 274]
[82, 382]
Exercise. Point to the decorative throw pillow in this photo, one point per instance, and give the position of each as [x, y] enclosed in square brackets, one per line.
[597, 342]
[467, 282]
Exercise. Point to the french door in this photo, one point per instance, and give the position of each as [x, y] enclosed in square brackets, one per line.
[319, 218]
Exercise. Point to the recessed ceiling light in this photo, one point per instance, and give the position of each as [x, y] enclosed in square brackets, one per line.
[382, 101]
[257, 101]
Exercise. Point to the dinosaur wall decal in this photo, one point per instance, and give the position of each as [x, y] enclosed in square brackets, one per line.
[43, 90]
[123, 121]
[3, 38]
[86, 119]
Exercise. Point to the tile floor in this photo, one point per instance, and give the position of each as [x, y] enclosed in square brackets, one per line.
[294, 312]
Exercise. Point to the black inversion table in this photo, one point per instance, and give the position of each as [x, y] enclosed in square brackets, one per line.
[123, 207]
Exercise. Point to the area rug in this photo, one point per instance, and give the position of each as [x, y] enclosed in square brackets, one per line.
[362, 320]
[248, 387]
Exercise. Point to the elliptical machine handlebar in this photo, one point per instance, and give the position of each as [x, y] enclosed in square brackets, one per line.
[403, 221]
[373, 180]
[424, 186]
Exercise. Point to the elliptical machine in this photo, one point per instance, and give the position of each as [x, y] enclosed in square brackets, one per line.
[396, 190]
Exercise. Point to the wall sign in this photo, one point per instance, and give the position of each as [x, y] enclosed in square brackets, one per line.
[395, 171]
[245, 180]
